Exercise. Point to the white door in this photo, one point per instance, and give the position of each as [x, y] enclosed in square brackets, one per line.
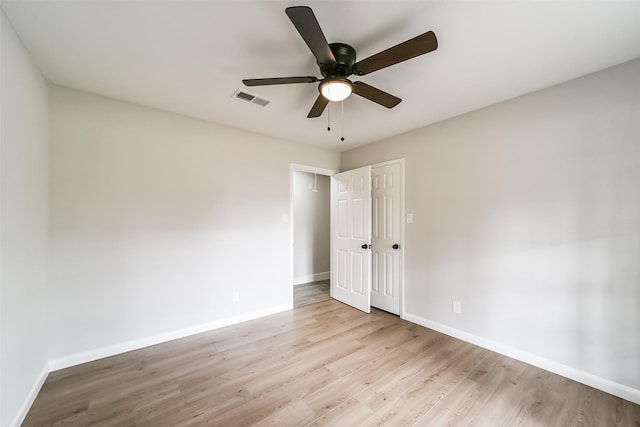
[351, 238]
[385, 237]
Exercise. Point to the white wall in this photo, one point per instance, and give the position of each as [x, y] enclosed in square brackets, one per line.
[528, 212]
[24, 222]
[157, 219]
[311, 231]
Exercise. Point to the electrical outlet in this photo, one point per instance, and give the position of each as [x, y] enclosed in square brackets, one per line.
[236, 296]
[456, 307]
[409, 218]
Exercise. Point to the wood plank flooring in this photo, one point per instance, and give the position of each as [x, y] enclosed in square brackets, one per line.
[320, 365]
[311, 293]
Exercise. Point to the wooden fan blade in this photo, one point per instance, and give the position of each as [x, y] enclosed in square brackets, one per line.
[376, 95]
[424, 43]
[318, 107]
[307, 25]
[279, 81]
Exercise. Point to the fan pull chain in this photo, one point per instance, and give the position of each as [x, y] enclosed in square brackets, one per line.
[342, 122]
[329, 117]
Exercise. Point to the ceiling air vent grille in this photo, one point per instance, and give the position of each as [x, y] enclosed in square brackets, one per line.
[260, 101]
[250, 98]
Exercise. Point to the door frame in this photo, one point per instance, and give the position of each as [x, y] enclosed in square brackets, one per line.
[294, 167]
[402, 227]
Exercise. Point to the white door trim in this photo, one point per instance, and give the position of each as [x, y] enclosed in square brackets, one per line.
[402, 225]
[293, 167]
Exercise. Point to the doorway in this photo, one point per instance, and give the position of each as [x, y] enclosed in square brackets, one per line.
[310, 234]
[369, 271]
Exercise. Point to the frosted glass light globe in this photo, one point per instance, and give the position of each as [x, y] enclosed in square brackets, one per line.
[336, 90]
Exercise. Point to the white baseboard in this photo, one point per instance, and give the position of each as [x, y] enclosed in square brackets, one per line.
[608, 386]
[112, 350]
[31, 396]
[308, 278]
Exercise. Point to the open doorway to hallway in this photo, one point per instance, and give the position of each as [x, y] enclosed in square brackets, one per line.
[311, 220]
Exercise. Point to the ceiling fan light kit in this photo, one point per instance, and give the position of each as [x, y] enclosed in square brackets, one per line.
[337, 61]
[336, 90]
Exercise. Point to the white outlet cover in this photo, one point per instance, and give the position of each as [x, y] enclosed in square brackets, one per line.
[456, 307]
[285, 218]
[409, 218]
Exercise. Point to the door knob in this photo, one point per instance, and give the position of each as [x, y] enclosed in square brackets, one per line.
[396, 246]
[365, 246]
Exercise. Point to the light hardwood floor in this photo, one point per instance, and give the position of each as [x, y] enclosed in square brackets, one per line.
[311, 293]
[321, 364]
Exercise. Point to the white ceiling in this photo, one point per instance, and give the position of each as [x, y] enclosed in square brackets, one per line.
[190, 57]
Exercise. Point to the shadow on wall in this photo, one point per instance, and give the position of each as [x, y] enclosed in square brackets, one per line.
[541, 259]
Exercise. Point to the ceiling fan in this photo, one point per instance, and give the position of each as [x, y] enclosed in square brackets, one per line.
[337, 61]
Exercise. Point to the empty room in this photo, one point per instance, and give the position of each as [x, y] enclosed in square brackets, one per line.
[345, 213]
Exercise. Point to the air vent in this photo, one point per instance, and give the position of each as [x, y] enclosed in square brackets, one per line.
[260, 101]
[250, 98]
[245, 96]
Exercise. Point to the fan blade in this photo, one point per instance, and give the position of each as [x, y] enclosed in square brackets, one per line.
[376, 95]
[318, 107]
[279, 81]
[307, 25]
[424, 43]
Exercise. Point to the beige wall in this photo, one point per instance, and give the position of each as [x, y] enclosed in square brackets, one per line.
[24, 227]
[528, 212]
[157, 220]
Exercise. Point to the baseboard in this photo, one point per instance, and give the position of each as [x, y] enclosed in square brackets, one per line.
[31, 396]
[112, 350]
[308, 278]
[608, 386]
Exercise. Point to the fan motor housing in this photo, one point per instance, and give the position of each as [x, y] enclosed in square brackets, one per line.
[345, 57]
